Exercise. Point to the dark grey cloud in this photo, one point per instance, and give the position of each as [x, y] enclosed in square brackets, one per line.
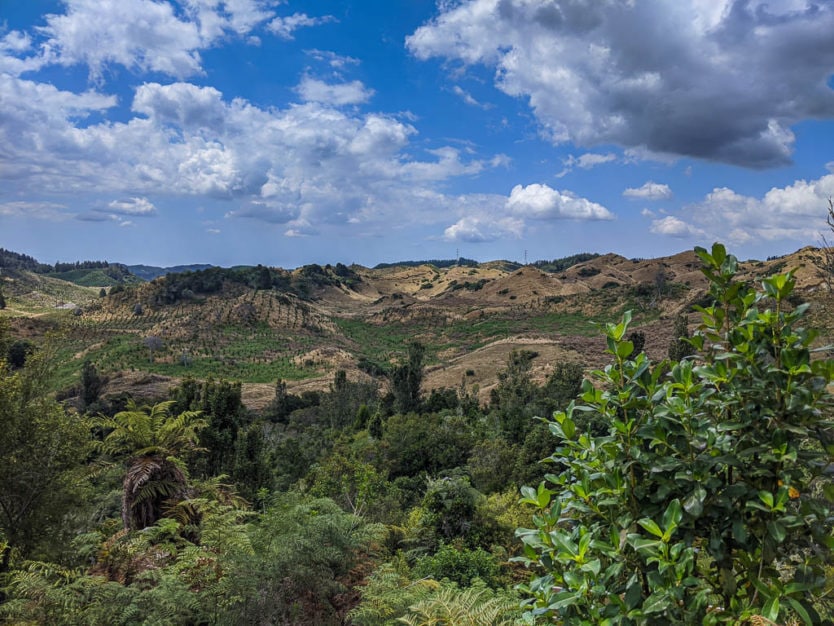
[720, 80]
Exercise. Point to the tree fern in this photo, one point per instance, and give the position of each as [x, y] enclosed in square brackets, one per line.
[304, 551]
[151, 440]
[388, 594]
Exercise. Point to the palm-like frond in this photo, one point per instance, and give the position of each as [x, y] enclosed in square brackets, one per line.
[388, 593]
[181, 432]
[139, 431]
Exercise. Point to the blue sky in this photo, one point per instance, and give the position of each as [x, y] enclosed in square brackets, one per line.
[255, 131]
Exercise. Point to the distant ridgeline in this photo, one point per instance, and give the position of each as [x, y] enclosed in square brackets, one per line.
[437, 263]
[149, 272]
[17, 261]
[86, 273]
[556, 265]
[184, 281]
[560, 265]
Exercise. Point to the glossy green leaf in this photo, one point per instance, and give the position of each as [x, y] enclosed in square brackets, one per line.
[651, 526]
[694, 503]
[777, 531]
[771, 609]
[672, 516]
[656, 603]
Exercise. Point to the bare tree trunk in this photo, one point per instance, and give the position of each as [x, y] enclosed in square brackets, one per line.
[827, 249]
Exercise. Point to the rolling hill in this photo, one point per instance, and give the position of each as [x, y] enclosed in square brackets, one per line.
[260, 324]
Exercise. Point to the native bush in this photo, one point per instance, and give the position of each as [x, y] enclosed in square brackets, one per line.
[704, 499]
[460, 565]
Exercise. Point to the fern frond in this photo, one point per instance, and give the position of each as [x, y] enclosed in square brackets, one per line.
[474, 606]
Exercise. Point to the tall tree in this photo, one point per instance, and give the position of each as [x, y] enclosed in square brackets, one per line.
[152, 443]
[91, 384]
[42, 452]
[339, 407]
[18, 352]
[407, 378]
[219, 401]
[222, 405]
[512, 398]
[152, 343]
[251, 470]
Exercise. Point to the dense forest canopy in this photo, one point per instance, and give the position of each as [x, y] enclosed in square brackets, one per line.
[17, 260]
[462, 261]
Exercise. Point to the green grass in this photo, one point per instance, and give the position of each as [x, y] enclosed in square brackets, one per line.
[381, 342]
[378, 340]
[86, 278]
[246, 354]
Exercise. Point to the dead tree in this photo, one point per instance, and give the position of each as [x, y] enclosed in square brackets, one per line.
[827, 248]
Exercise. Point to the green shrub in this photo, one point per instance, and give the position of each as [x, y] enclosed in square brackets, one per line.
[704, 500]
[460, 565]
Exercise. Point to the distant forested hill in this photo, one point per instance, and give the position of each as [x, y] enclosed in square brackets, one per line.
[17, 261]
[84, 273]
[149, 272]
[440, 263]
[106, 276]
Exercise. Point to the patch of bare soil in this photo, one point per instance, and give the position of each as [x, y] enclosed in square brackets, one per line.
[29, 326]
[257, 396]
[142, 386]
[481, 367]
[325, 358]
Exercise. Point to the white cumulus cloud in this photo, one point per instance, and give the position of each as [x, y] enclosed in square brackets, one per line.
[673, 227]
[649, 191]
[284, 27]
[796, 211]
[165, 36]
[482, 229]
[132, 206]
[309, 165]
[183, 104]
[337, 94]
[541, 202]
[138, 34]
[585, 161]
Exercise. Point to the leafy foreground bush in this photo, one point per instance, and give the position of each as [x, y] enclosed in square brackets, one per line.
[693, 492]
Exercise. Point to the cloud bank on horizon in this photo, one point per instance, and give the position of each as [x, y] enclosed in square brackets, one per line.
[244, 131]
